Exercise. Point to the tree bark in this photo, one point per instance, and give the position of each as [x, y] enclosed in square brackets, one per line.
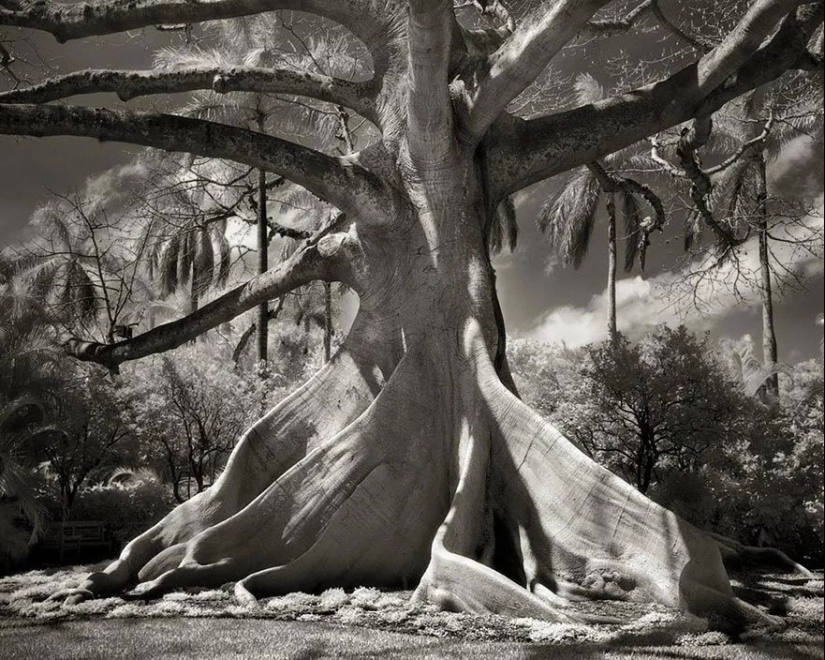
[327, 321]
[769, 348]
[612, 328]
[262, 326]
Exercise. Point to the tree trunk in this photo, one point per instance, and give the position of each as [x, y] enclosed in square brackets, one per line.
[612, 330]
[505, 515]
[327, 321]
[262, 326]
[769, 351]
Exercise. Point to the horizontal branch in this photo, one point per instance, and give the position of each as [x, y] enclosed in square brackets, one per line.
[524, 55]
[523, 152]
[340, 181]
[312, 261]
[131, 84]
[75, 20]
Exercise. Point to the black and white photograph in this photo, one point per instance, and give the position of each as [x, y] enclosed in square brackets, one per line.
[412, 329]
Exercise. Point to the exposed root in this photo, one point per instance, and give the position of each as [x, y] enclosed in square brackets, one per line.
[357, 509]
[343, 485]
[733, 551]
[454, 580]
[588, 533]
[312, 414]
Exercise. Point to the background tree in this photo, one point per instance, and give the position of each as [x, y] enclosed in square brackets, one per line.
[87, 438]
[188, 410]
[83, 264]
[659, 405]
[569, 215]
[755, 479]
[31, 378]
[736, 200]
[338, 466]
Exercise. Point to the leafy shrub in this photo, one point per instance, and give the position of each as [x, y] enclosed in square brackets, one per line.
[14, 537]
[141, 500]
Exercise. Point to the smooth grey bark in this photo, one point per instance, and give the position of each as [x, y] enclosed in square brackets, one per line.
[612, 329]
[262, 326]
[769, 348]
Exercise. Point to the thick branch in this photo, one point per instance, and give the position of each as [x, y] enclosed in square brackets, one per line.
[524, 152]
[740, 45]
[68, 21]
[338, 180]
[523, 56]
[312, 261]
[430, 113]
[131, 84]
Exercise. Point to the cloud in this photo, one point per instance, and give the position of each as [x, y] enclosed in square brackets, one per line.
[795, 157]
[644, 303]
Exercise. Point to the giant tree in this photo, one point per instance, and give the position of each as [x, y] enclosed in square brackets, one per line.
[407, 458]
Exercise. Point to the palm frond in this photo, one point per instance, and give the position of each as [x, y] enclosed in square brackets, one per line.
[568, 217]
[632, 223]
[587, 89]
[504, 227]
[203, 261]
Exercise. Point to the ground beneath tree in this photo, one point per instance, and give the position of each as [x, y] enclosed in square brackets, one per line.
[371, 623]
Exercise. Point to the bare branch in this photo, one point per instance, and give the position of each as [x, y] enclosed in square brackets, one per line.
[524, 55]
[756, 142]
[131, 84]
[624, 24]
[675, 30]
[338, 180]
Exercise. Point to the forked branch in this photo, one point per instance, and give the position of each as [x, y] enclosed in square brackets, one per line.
[524, 55]
[740, 45]
[524, 152]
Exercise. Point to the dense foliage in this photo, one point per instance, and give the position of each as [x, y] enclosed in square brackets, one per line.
[668, 416]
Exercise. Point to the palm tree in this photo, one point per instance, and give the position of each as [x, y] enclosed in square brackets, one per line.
[254, 41]
[32, 375]
[569, 215]
[748, 135]
[197, 256]
[82, 266]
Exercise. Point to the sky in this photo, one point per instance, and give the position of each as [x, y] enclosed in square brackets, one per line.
[541, 298]
[548, 301]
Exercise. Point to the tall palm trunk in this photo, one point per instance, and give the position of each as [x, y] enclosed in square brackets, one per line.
[612, 330]
[327, 321]
[262, 329]
[769, 351]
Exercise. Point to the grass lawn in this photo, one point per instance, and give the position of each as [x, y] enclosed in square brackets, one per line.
[367, 623]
